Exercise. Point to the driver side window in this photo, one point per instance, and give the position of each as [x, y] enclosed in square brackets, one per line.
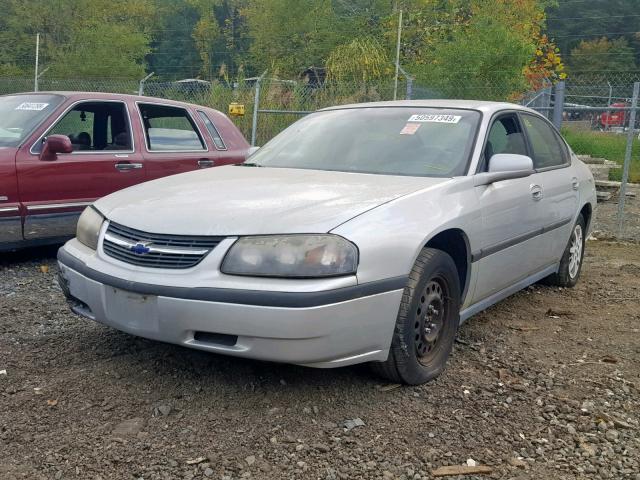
[78, 125]
[95, 126]
[505, 136]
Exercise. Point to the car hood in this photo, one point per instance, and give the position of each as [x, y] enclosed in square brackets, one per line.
[251, 201]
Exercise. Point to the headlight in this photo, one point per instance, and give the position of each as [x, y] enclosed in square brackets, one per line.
[88, 228]
[298, 256]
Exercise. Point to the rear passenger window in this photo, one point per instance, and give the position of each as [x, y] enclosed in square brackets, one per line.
[169, 128]
[213, 131]
[548, 149]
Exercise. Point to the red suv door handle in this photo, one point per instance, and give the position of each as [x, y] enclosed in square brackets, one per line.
[205, 163]
[127, 166]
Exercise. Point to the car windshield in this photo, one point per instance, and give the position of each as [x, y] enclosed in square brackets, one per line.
[20, 114]
[411, 141]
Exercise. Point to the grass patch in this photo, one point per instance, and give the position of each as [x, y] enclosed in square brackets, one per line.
[606, 145]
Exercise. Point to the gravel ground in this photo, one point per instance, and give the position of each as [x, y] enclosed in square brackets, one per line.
[606, 220]
[544, 385]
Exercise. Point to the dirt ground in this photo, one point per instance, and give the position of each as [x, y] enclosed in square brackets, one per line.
[606, 219]
[542, 386]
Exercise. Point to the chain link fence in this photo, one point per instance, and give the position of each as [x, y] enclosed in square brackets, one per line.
[599, 118]
[596, 113]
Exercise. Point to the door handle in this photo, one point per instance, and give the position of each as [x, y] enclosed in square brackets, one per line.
[536, 192]
[575, 183]
[126, 166]
[205, 163]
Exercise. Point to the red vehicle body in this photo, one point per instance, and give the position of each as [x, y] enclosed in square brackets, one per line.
[613, 117]
[61, 151]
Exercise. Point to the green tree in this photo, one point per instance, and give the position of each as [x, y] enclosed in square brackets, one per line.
[481, 59]
[235, 36]
[602, 55]
[290, 35]
[221, 36]
[473, 48]
[206, 33]
[173, 49]
[570, 23]
[362, 59]
[79, 38]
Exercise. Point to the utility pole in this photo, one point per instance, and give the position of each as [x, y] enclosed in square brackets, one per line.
[35, 77]
[395, 86]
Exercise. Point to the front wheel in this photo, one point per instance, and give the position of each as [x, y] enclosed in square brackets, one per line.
[571, 262]
[427, 321]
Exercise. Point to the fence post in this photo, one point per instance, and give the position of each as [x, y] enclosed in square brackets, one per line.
[558, 105]
[36, 76]
[395, 87]
[409, 79]
[627, 158]
[546, 98]
[141, 85]
[256, 106]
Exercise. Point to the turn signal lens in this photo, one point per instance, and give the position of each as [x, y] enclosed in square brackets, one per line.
[88, 229]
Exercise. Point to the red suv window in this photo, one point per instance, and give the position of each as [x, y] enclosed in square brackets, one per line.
[213, 131]
[170, 129]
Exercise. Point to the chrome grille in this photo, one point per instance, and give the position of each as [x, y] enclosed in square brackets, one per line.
[156, 250]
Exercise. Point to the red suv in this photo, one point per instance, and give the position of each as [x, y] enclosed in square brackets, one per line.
[60, 151]
[614, 117]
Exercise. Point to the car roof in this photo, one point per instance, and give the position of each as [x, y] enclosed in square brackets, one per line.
[111, 96]
[480, 105]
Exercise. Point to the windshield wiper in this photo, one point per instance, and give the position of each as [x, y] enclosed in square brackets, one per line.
[248, 164]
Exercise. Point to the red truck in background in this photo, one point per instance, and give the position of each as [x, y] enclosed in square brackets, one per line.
[61, 151]
[613, 118]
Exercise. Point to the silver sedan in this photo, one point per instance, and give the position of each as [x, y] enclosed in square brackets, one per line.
[362, 233]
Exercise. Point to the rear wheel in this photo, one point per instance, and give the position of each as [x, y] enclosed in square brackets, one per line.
[571, 262]
[427, 321]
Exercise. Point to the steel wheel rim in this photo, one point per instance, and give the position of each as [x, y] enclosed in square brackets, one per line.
[575, 252]
[430, 319]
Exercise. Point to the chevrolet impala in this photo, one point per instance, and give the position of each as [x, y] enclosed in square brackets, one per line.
[362, 233]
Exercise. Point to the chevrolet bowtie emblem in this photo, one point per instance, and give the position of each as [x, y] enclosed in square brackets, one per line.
[140, 248]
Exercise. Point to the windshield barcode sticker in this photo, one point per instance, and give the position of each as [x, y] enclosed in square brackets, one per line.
[435, 118]
[32, 106]
[410, 129]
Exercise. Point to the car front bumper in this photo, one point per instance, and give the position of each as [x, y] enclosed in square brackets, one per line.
[319, 329]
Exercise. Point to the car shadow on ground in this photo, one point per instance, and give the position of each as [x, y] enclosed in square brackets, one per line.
[136, 358]
[33, 254]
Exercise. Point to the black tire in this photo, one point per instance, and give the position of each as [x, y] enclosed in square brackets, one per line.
[419, 350]
[568, 273]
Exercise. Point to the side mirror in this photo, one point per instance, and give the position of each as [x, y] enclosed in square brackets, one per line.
[251, 151]
[505, 166]
[53, 145]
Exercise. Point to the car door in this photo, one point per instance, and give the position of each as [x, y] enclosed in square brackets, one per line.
[559, 185]
[104, 160]
[10, 220]
[226, 138]
[512, 216]
[174, 142]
